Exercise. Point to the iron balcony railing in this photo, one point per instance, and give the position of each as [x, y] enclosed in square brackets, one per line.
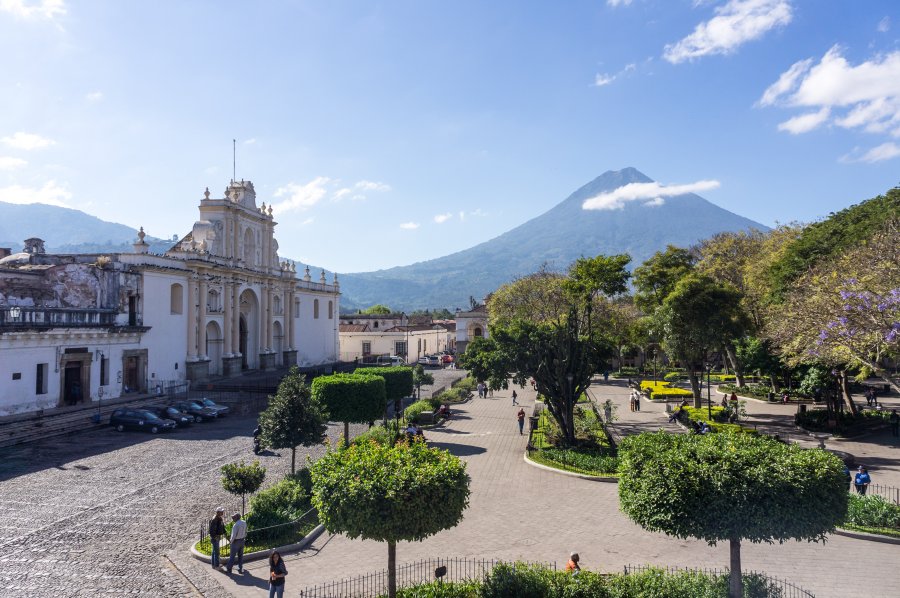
[16, 317]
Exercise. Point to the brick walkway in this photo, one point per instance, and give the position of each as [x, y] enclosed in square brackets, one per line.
[521, 512]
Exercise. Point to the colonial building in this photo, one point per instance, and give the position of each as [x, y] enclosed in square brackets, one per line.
[470, 324]
[365, 335]
[219, 302]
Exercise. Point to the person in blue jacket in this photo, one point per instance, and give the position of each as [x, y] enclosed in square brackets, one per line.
[862, 480]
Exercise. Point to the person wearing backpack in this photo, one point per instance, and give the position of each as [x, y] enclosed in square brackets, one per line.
[216, 533]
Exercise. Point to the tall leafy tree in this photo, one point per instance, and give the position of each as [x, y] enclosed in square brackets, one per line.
[377, 310]
[293, 417]
[697, 318]
[390, 493]
[730, 488]
[657, 277]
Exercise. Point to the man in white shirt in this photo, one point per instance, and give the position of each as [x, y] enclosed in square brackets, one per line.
[238, 537]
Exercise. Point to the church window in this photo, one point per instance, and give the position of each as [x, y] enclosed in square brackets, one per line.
[316, 309]
[176, 298]
[330, 310]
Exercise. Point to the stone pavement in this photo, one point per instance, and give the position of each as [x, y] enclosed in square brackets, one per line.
[521, 512]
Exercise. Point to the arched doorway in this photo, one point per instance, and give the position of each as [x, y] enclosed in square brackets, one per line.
[249, 330]
[214, 348]
[278, 341]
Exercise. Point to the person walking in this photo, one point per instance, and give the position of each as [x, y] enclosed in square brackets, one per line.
[515, 398]
[894, 420]
[631, 401]
[277, 571]
[216, 533]
[238, 537]
[862, 480]
[637, 401]
[521, 417]
[572, 566]
[607, 411]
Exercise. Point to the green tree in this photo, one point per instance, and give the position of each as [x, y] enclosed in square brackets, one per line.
[398, 383]
[730, 487]
[657, 277]
[421, 378]
[486, 363]
[293, 417]
[697, 317]
[241, 479]
[377, 310]
[357, 398]
[390, 493]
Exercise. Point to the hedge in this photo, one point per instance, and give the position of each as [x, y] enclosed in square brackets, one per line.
[352, 397]
[872, 512]
[398, 380]
[413, 412]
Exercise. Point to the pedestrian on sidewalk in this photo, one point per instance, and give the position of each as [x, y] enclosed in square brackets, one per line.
[238, 537]
[631, 401]
[216, 533]
[868, 395]
[607, 411]
[637, 401]
[515, 397]
[572, 566]
[277, 571]
[521, 417]
[862, 480]
[894, 419]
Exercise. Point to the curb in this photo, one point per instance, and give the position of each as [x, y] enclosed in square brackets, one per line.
[264, 554]
[591, 478]
[867, 536]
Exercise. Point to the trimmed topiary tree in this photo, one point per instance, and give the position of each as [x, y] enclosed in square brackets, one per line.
[398, 382]
[732, 487]
[242, 479]
[390, 493]
[293, 417]
[357, 398]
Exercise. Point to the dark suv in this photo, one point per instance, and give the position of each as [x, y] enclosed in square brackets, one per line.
[197, 410]
[166, 412]
[139, 419]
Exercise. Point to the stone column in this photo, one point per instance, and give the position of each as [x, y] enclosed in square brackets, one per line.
[226, 319]
[235, 319]
[270, 291]
[235, 240]
[201, 319]
[288, 342]
[191, 318]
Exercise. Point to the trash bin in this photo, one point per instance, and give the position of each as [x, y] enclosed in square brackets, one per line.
[771, 397]
[802, 408]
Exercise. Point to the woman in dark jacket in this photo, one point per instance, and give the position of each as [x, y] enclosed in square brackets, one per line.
[277, 571]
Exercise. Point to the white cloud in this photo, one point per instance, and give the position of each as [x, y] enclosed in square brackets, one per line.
[409, 225]
[735, 23]
[651, 194]
[250, 141]
[865, 96]
[442, 218]
[884, 25]
[301, 197]
[94, 96]
[307, 221]
[602, 79]
[9, 163]
[885, 151]
[615, 3]
[26, 141]
[462, 216]
[372, 186]
[805, 122]
[51, 194]
[341, 193]
[42, 9]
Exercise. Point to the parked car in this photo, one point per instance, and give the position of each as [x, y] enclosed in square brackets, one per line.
[167, 412]
[220, 409]
[431, 361]
[199, 411]
[389, 360]
[139, 419]
[446, 358]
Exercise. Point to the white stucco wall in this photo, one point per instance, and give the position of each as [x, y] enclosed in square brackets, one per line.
[167, 338]
[316, 339]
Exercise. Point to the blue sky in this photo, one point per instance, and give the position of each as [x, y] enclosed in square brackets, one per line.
[392, 132]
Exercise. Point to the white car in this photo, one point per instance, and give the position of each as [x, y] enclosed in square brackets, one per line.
[392, 360]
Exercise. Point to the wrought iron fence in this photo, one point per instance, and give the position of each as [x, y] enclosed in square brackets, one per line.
[766, 585]
[265, 537]
[889, 493]
[375, 584]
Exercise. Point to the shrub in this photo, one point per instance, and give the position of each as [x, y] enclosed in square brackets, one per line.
[467, 384]
[645, 384]
[413, 412]
[670, 393]
[674, 377]
[398, 381]
[281, 503]
[589, 461]
[872, 511]
[385, 436]
[458, 589]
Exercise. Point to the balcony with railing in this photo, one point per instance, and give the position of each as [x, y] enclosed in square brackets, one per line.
[42, 318]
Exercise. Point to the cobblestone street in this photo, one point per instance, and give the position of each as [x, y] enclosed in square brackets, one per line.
[104, 513]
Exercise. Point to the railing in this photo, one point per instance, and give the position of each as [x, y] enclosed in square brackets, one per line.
[889, 493]
[375, 584]
[771, 586]
[44, 317]
[263, 538]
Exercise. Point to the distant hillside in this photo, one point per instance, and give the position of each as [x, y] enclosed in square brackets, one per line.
[65, 230]
[558, 237]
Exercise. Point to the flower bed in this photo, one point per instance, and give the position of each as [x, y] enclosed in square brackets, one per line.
[661, 391]
[593, 456]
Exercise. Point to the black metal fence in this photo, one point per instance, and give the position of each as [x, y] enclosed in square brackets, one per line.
[889, 493]
[764, 584]
[375, 584]
[265, 537]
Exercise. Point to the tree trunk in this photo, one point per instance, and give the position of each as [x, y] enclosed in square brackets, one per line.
[293, 459]
[243, 506]
[696, 389]
[736, 365]
[346, 434]
[392, 570]
[735, 586]
[845, 391]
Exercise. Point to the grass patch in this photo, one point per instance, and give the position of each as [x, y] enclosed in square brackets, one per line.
[881, 531]
[594, 454]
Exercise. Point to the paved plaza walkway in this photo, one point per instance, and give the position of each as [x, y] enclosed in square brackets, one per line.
[520, 512]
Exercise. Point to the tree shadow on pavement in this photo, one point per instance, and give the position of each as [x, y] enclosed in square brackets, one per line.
[460, 450]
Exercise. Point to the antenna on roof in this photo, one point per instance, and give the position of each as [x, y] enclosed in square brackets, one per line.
[233, 159]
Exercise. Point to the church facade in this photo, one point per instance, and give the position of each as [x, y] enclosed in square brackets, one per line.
[75, 328]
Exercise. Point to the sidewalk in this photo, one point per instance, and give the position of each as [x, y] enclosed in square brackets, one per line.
[520, 512]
